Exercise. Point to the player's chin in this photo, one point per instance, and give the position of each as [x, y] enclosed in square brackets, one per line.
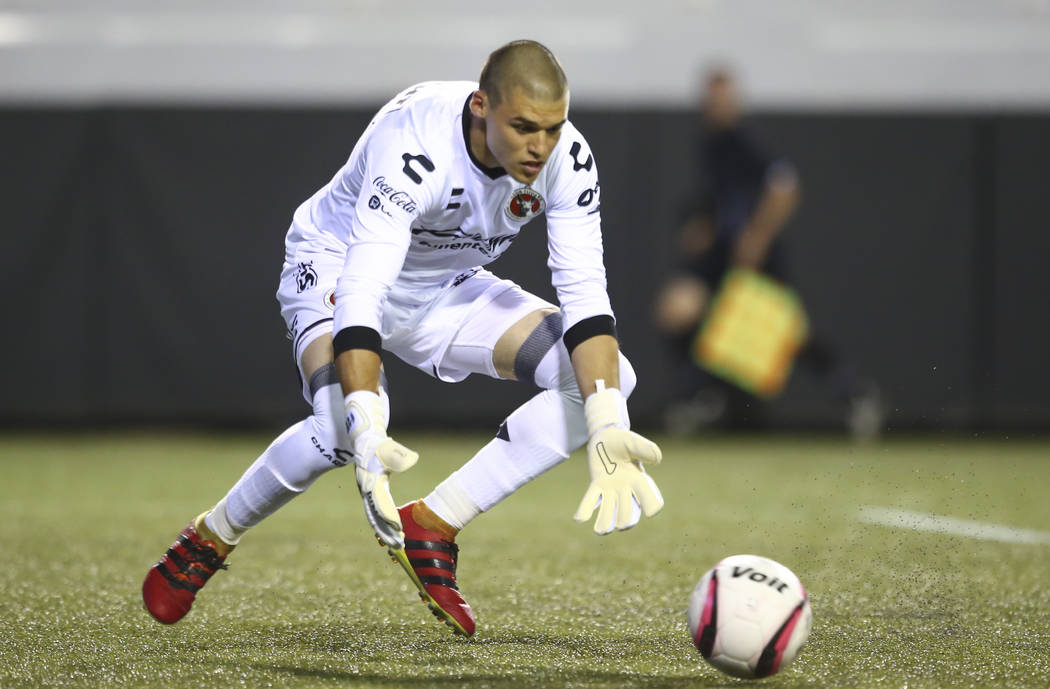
[528, 173]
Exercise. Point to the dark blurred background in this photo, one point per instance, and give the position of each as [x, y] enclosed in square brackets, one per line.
[151, 163]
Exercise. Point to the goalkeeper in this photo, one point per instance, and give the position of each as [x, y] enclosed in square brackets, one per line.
[388, 257]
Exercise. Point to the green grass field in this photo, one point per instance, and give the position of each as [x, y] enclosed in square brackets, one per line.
[311, 601]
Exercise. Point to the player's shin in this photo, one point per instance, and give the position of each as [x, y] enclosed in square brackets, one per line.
[539, 435]
[290, 465]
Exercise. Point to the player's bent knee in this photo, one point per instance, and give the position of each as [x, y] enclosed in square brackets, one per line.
[541, 342]
[628, 378]
[555, 372]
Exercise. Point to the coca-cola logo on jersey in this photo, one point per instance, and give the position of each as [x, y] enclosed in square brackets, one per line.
[525, 203]
[394, 195]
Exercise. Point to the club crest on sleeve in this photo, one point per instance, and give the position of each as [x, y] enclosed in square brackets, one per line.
[525, 203]
[305, 276]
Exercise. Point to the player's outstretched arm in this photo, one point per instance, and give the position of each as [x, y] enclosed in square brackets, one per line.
[620, 489]
[376, 455]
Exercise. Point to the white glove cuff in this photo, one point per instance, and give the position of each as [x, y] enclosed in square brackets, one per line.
[604, 408]
[364, 412]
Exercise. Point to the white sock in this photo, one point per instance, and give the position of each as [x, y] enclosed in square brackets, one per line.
[260, 491]
[539, 435]
[450, 502]
[218, 520]
[288, 467]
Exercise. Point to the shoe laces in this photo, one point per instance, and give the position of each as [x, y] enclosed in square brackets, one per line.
[202, 554]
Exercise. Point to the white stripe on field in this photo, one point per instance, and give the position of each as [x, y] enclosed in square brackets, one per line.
[922, 521]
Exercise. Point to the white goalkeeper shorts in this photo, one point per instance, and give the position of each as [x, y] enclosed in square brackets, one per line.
[449, 336]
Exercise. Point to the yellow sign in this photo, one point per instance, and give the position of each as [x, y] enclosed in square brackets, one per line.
[752, 333]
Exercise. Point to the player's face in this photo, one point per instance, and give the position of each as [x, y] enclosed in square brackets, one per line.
[721, 105]
[521, 132]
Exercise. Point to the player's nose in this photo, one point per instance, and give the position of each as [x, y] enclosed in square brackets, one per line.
[539, 146]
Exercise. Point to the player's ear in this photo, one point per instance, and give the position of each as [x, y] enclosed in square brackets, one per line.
[479, 104]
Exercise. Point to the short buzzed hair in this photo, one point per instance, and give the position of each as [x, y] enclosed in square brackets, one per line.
[523, 64]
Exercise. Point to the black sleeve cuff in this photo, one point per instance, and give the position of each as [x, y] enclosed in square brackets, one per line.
[357, 337]
[588, 328]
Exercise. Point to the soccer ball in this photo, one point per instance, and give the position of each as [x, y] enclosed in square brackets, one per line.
[749, 616]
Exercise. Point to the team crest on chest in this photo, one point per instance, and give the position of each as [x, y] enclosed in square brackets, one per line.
[525, 203]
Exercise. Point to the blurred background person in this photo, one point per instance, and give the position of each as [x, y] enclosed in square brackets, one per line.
[736, 218]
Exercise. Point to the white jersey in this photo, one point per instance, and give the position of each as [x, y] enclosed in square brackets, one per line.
[412, 209]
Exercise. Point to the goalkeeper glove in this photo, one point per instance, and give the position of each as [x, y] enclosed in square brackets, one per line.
[376, 455]
[620, 488]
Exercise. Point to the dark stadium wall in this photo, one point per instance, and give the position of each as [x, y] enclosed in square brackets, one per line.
[144, 245]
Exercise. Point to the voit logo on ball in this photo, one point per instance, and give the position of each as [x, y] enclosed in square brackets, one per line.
[525, 203]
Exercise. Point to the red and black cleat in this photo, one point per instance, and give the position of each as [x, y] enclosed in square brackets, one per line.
[430, 560]
[172, 583]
